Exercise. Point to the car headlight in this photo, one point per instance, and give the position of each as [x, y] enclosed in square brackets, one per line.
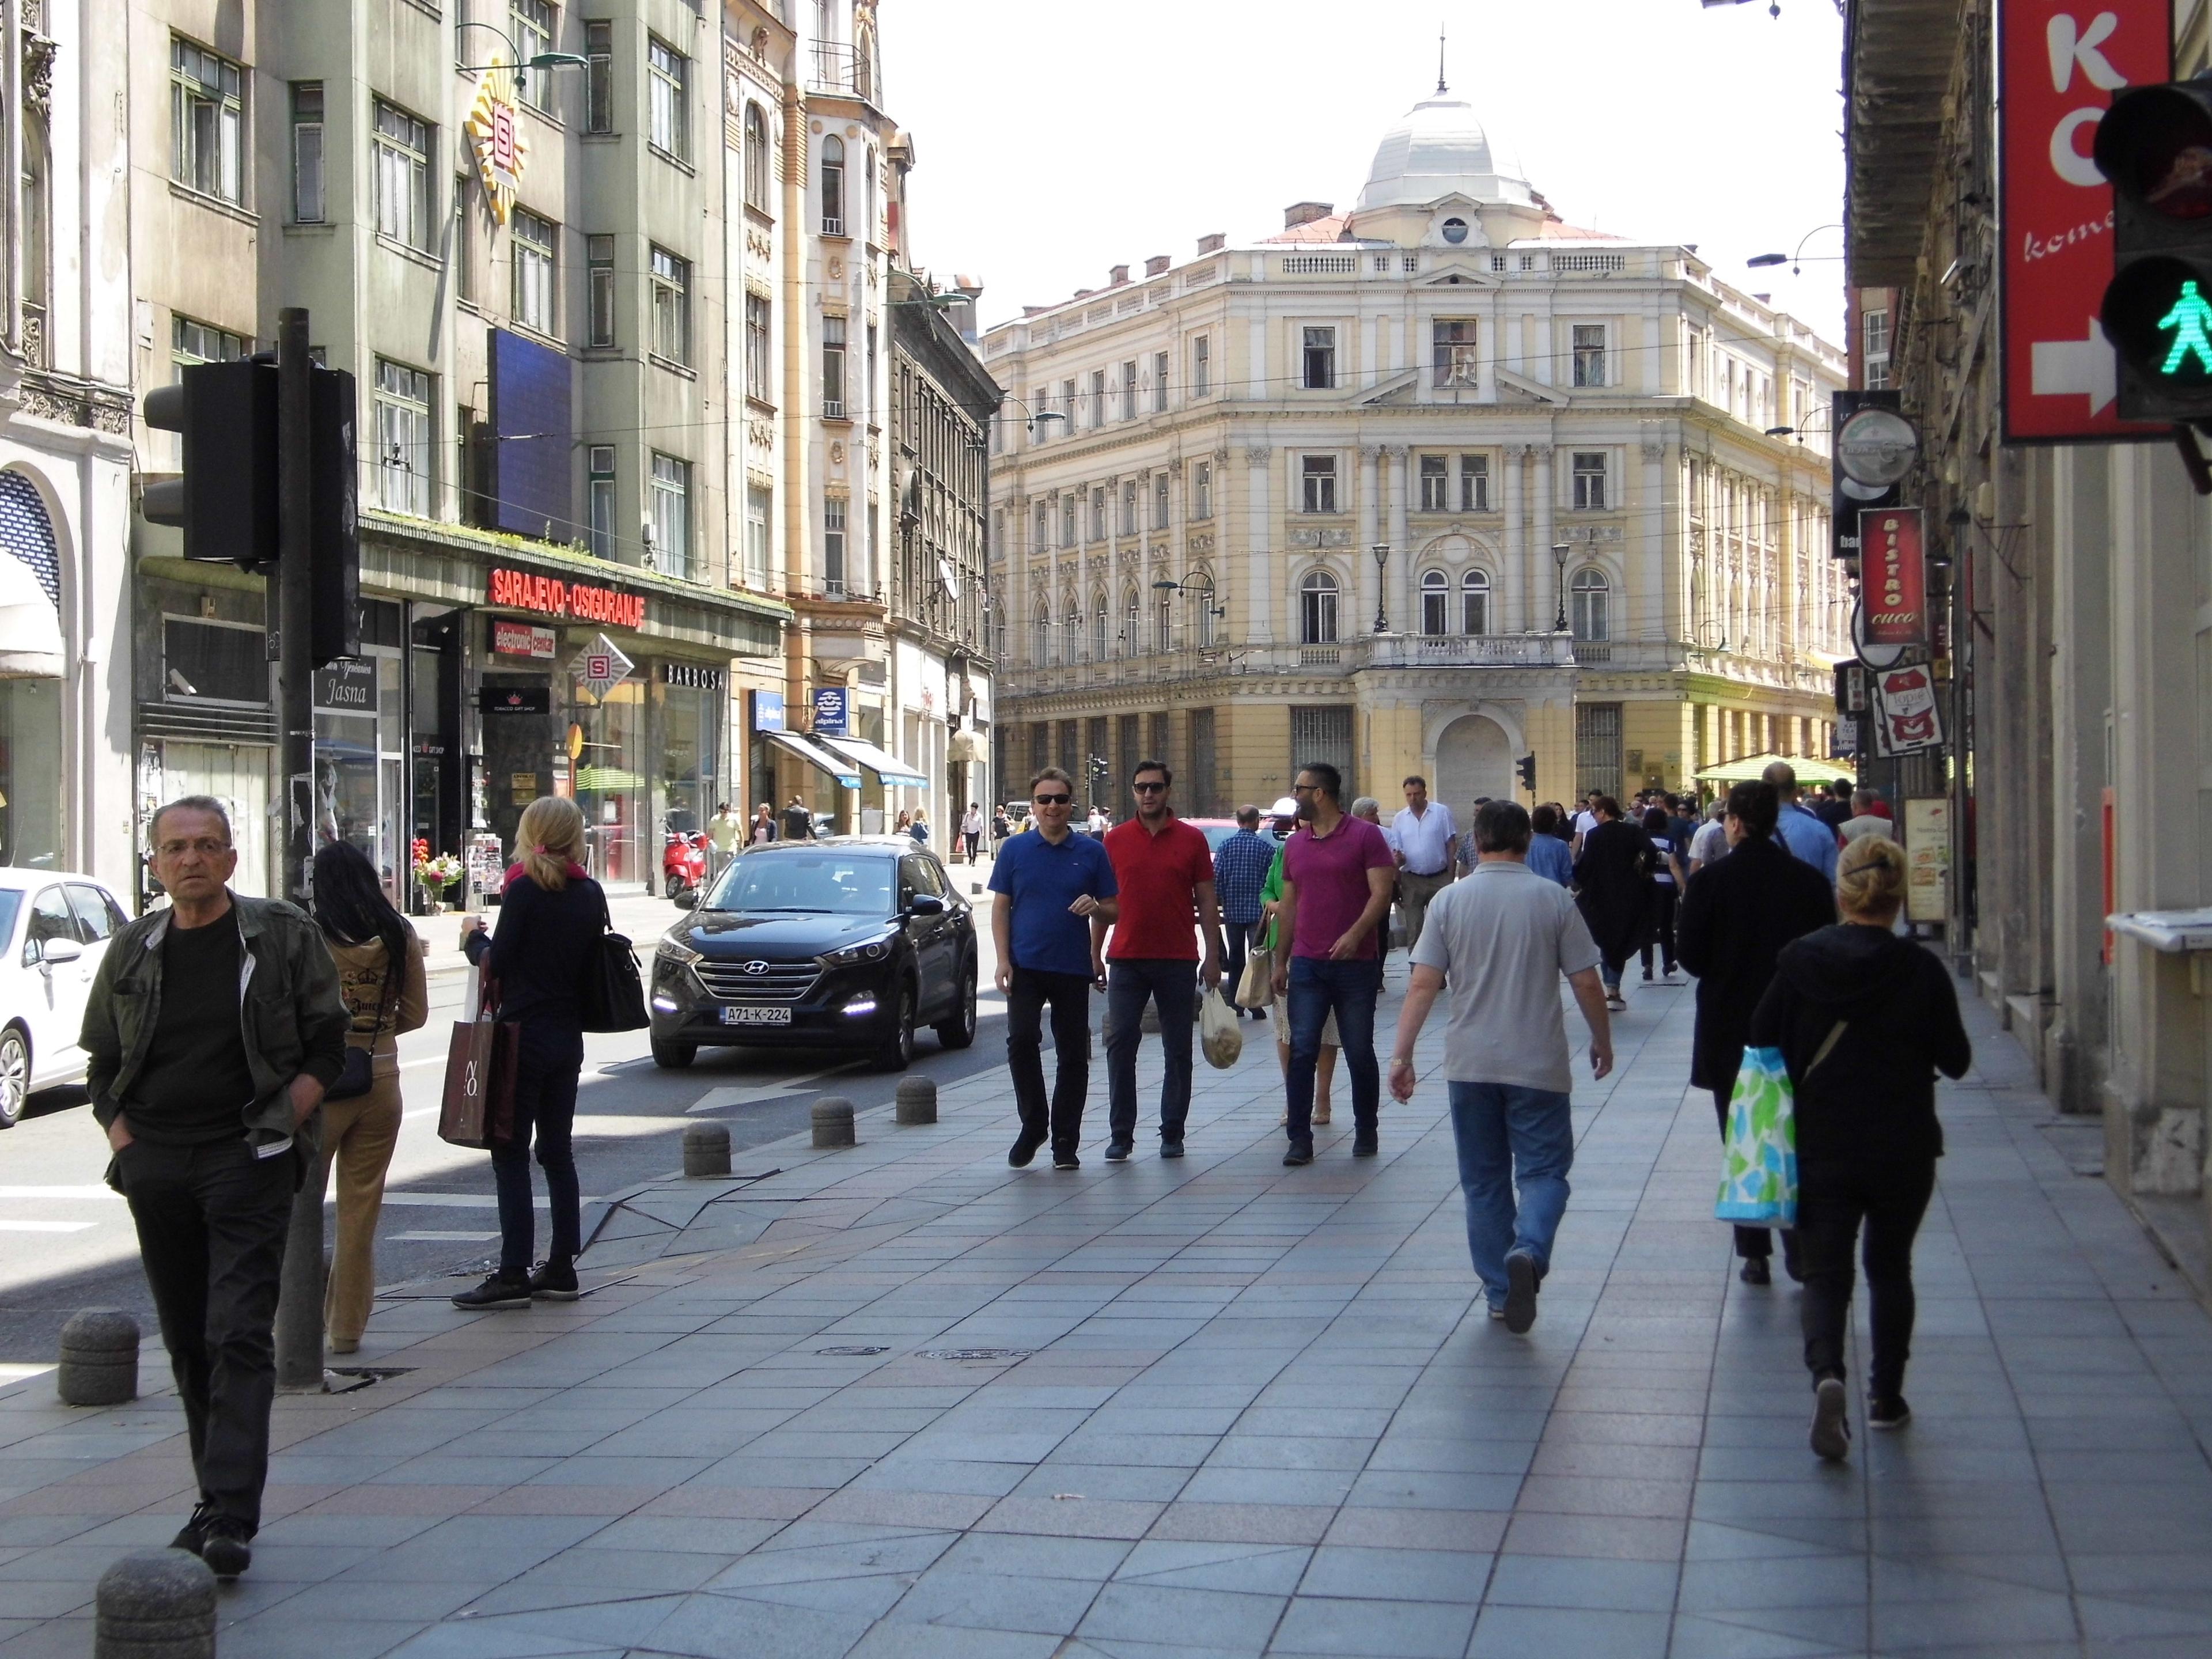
[874, 951]
[676, 954]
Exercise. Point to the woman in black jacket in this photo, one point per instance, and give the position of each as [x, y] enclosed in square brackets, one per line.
[1864, 1020]
[1613, 882]
[552, 917]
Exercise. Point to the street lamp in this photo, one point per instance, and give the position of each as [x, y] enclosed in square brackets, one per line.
[1794, 260]
[1036, 417]
[544, 60]
[1560, 553]
[1382, 551]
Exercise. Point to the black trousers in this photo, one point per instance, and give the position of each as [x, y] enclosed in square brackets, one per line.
[552, 1060]
[1069, 994]
[1662, 928]
[211, 1221]
[1171, 986]
[1757, 1241]
[1832, 1201]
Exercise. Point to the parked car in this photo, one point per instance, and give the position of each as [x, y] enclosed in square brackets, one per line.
[849, 941]
[55, 926]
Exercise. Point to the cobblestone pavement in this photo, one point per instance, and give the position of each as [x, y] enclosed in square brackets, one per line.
[904, 1400]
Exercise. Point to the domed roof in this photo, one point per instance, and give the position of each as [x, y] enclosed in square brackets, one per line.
[1438, 150]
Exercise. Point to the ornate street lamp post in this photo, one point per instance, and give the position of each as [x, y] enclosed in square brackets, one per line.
[1382, 551]
[1560, 552]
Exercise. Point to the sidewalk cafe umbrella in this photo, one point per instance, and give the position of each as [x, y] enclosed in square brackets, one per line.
[1809, 770]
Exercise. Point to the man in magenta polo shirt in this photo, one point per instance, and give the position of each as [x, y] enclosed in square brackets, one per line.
[1338, 876]
[1164, 872]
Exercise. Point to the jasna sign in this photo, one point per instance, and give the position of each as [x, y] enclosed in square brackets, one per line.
[551, 597]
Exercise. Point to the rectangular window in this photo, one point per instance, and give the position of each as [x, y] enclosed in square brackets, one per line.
[1453, 338]
[1319, 359]
[599, 488]
[1597, 749]
[1159, 501]
[760, 366]
[207, 112]
[196, 342]
[306, 152]
[1589, 353]
[404, 444]
[1067, 519]
[1159, 381]
[534, 243]
[1873, 348]
[833, 546]
[599, 77]
[1129, 526]
[531, 24]
[759, 503]
[667, 70]
[1475, 487]
[1098, 513]
[1589, 480]
[1098, 397]
[1129, 390]
[216, 662]
[465, 244]
[402, 176]
[1202, 367]
[1436, 485]
[1319, 473]
[1202, 491]
[599, 255]
[671, 307]
[1040, 400]
[672, 515]
[833, 367]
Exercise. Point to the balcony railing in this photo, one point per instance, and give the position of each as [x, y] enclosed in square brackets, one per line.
[835, 67]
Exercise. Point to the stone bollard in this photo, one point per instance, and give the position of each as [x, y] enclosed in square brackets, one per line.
[157, 1605]
[707, 1149]
[917, 1100]
[99, 1358]
[833, 1123]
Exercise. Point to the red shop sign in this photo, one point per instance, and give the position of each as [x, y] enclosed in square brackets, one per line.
[549, 596]
[1895, 589]
[2059, 63]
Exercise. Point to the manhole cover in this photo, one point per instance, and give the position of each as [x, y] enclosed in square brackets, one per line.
[852, 1353]
[975, 1353]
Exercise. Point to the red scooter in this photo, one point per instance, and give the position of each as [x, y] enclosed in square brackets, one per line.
[683, 868]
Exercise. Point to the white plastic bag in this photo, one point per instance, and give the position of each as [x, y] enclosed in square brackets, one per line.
[1218, 1032]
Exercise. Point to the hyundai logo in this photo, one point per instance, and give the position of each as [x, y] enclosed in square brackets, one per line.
[757, 967]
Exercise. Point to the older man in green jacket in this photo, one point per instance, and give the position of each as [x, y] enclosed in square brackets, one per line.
[212, 1030]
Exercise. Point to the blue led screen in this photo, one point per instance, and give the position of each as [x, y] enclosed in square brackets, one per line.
[532, 483]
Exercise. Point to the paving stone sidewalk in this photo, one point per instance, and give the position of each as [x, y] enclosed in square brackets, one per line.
[902, 1401]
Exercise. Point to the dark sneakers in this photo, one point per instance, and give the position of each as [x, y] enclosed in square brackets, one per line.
[556, 1281]
[1117, 1151]
[501, 1289]
[1755, 1270]
[1022, 1152]
[1888, 1411]
[1067, 1160]
[1170, 1149]
[1365, 1146]
[1520, 1291]
[194, 1535]
[1298, 1156]
[223, 1547]
[1831, 1423]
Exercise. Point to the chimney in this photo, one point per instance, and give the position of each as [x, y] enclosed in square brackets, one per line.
[1213, 242]
[1304, 213]
[1118, 275]
[1156, 264]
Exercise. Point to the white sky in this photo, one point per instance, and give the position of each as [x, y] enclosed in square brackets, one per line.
[1058, 137]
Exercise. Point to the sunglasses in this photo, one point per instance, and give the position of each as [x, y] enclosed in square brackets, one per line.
[1051, 800]
[1150, 788]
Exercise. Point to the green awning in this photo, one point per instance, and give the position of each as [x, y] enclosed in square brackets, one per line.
[607, 780]
[1809, 770]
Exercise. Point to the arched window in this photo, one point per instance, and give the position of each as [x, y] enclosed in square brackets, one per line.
[864, 62]
[1071, 634]
[1475, 603]
[1133, 637]
[1317, 608]
[757, 168]
[833, 185]
[1098, 626]
[1592, 605]
[1041, 636]
[1164, 623]
[1435, 603]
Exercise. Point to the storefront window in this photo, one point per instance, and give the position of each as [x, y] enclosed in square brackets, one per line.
[609, 783]
[30, 773]
[688, 747]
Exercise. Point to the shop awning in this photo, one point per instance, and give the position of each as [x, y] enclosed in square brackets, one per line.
[30, 645]
[1809, 770]
[891, 769]
[792, 744]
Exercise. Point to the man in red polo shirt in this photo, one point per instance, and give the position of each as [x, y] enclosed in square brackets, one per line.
[1164, 870]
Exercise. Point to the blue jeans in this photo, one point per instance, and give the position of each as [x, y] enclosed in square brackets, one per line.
[1507, 1134]
[1172, 988]
[1319, 986]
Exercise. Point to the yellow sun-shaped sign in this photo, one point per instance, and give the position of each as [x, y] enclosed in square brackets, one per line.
[496, 133]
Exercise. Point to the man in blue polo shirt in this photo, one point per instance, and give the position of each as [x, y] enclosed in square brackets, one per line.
[1051, 884]
[1796, 828]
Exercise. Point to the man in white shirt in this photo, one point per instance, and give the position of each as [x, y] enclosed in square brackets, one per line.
[1587, 819]
[1425, 843]
[1867, 821]
[1710, 845]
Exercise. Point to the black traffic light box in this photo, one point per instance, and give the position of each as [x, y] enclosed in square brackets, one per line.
[226, 501]
[2155, 145]
[1527, 767]
[335, 550]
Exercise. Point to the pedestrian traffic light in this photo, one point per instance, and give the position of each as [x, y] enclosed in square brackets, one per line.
[335, 550]
[1527, 767]
[226, 501]
[2155, 145]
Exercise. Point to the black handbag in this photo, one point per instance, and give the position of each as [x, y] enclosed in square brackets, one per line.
[357, 1075]
[614, 991]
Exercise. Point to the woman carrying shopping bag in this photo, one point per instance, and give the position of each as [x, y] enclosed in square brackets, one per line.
[547, 954]
[1864, 1020]
[380, 963]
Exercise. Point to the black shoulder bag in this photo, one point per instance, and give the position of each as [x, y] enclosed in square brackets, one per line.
[614, 991]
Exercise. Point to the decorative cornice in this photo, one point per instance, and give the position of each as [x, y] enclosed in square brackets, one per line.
[1259, 455]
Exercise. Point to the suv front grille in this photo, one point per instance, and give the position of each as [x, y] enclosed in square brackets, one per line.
[779, 981]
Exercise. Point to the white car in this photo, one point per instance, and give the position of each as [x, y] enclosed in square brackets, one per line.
[54, 929]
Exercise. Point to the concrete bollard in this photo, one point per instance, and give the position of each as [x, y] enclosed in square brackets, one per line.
[707, 1149]
[157, 1605]
[917, 1100]
[833, 1123]
[99, 1358]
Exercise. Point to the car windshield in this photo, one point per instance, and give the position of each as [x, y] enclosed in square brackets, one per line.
[825, 882]
[10, 901]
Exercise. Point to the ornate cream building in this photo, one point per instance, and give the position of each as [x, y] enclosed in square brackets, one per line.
[1427, 486]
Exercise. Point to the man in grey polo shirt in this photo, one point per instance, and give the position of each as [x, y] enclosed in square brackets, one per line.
[1500, 940]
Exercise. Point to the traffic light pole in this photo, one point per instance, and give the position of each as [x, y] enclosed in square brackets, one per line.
[291, 598]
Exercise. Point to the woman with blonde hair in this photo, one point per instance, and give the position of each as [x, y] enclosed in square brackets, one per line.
[1864, 1019]
[552, 917]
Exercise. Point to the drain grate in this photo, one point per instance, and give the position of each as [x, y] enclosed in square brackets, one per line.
[851, 1353]
[976, 1353]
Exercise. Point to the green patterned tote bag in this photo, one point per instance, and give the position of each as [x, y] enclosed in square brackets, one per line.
[1758, 1187]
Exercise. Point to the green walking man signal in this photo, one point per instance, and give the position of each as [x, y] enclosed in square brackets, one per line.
[2188, 317]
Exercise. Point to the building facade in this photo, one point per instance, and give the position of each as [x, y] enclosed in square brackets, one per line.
[1425, 487]
[65, 781]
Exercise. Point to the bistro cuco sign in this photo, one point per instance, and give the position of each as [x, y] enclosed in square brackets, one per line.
[551, 597]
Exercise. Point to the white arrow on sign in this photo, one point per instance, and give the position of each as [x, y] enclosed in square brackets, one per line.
[2084, 366]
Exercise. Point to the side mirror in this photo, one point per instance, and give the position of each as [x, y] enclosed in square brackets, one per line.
[54, 950]
[926, 904]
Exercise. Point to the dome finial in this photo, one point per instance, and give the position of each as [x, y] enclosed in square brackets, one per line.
[1441, 88]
